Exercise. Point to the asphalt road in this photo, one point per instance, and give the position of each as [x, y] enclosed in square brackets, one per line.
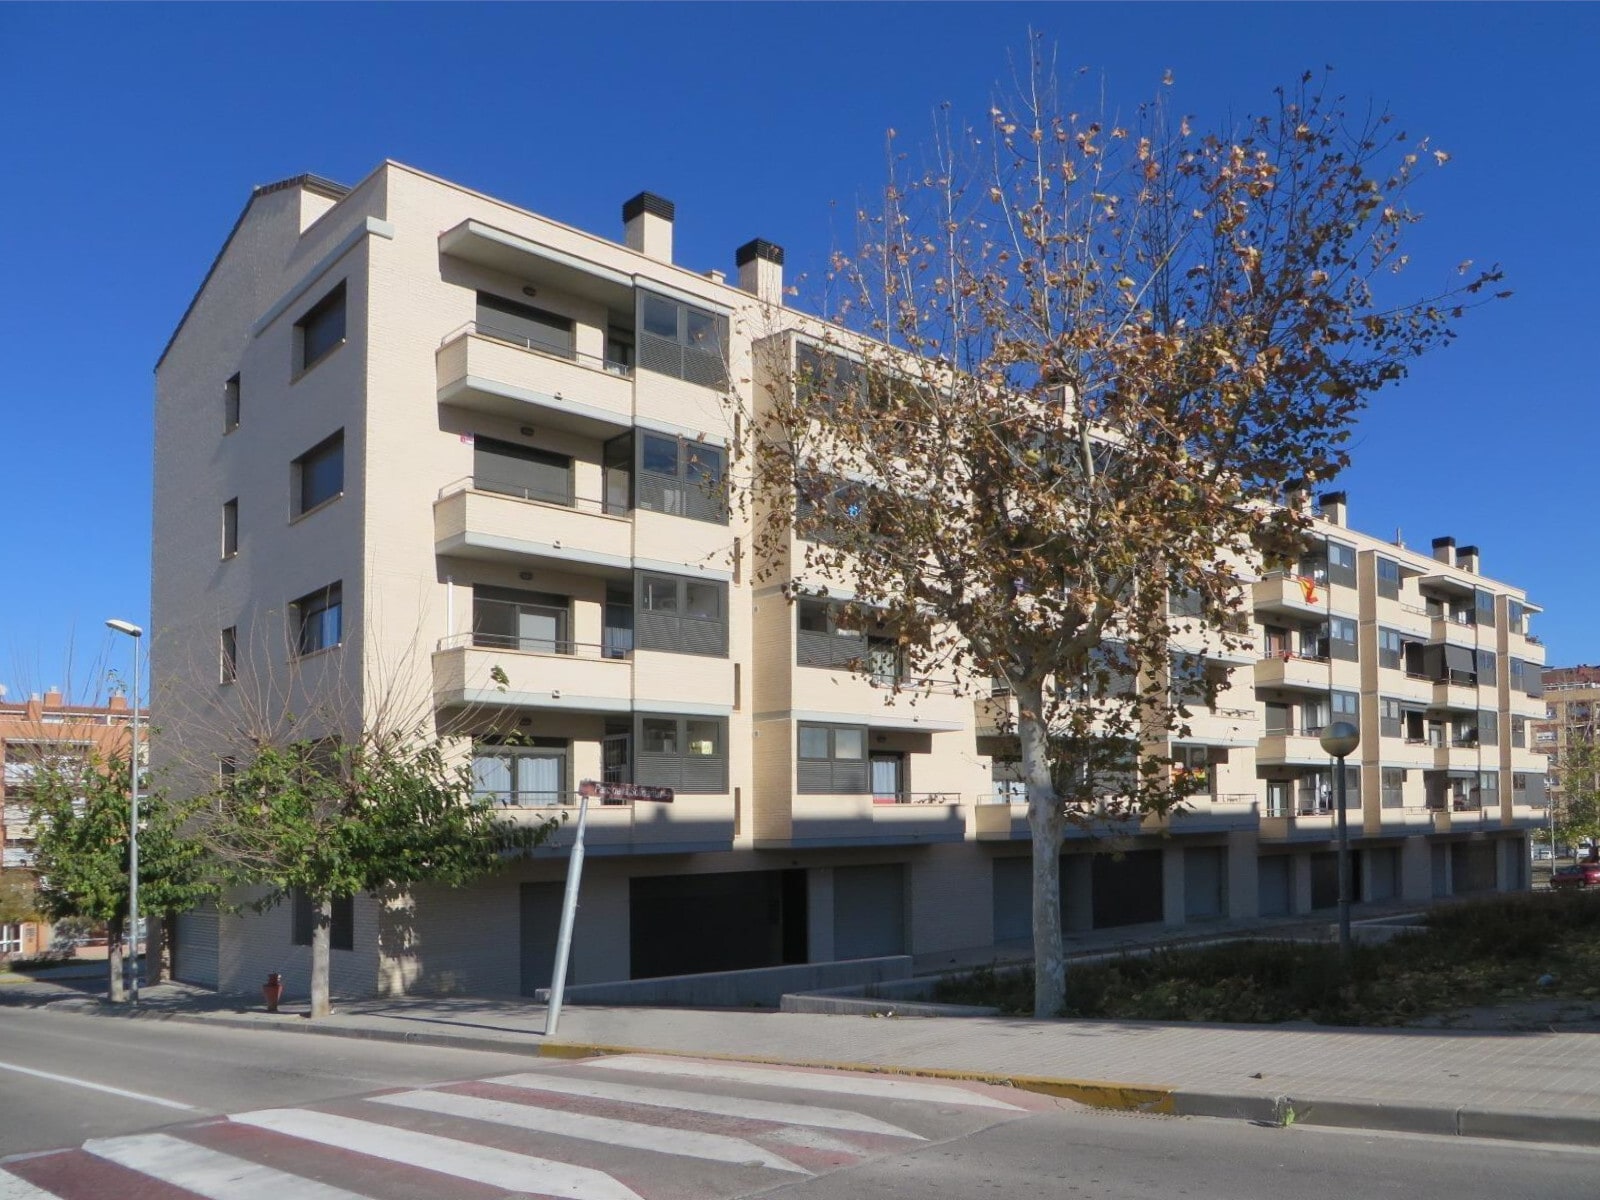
[334, 1117]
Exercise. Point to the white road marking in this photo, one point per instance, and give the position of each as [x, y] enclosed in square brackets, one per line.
[98, 1087]
[12, 1188]
[209, 1172]
[722, 1106]
[713, 1146]
[849, 1083]
[464, 1160]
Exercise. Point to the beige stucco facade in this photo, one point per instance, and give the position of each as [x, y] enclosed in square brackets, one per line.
[524, 551]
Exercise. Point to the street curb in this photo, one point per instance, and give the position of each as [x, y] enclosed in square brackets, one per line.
[1276, 1109]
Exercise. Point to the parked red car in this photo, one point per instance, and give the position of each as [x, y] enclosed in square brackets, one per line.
[1580, 875]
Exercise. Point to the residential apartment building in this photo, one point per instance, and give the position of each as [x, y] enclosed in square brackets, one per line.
[415, 441]
[34, 732]
[1571, 717]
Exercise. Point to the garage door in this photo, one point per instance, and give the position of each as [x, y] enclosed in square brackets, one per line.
[1205, 882]
[869, 911]
[1013, 899]
[194, 957]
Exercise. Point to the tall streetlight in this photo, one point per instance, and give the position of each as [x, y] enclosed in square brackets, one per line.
[135, 633]
[1340, 740]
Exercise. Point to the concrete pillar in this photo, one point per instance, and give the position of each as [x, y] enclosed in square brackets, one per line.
[1300, 881]
[1173, 896]
[1244, 889]
[819, 914]
[1077, 887]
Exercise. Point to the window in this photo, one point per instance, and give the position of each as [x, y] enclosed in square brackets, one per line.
[1485, 660]
[681, 615]
[1394, 783]
[824, 379]
[1391, 648]
[1488, 727]
[532, 622]
[683, 341]
[1390, 719]
[318, 475]
[229, 667]
[316, 620]
[831, 759]
[1184, 602]
[1517, 617]
[1519, 732]
[321, 330]
[1388, 578]
[523, 471]
[687, 754]
[230, 405]
[529, 774]
[1341, 564]
[1489, 789]
[1484, 602]
[341, 932]
[526, 326]
[681, 478]
[1346, 706]
[230, 528]
[1342, 639]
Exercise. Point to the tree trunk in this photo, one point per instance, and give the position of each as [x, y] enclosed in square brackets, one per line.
[114, 987]
[321, 940]
[155, 949]
[1047, 824]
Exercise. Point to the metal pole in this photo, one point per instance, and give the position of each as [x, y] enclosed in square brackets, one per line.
[569, 912]
[1344, 871]
[133, 835]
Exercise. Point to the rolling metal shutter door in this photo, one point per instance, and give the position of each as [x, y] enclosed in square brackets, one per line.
[196, 959]
[1013, 899]
[1205, 871]
[869, 911]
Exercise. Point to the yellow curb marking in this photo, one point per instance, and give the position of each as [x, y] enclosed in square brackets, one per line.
[1120, 1097]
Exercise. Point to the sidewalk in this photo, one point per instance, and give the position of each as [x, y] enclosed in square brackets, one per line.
[1522, 1085]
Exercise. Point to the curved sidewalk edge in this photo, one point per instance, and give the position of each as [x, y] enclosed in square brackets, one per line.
[1263, 1108]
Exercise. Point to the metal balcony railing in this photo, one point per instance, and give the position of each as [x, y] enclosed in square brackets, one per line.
[516, 490]
[534, 645]
[916, 797]
[539, 346]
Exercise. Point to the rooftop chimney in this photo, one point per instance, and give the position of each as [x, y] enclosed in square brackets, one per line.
[647, 226]
[52, 698]
[1333, 507]
[1467, 559]
[1444, 549]
[761, 270]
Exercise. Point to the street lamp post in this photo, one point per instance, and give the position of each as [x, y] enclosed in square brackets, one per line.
[135, 633]
[1340, 740]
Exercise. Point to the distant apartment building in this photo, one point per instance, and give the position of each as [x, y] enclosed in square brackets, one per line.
[1571, 717]
[35, 732]
[411, 438]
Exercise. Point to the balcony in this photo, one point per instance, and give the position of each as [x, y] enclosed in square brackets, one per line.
[1291, 750]
[1281, 593]
[1417, 754]
[1004, 818]
[927, 704]
[585, 536]
[1287, 669]
[895, 819]
[1457, 631]
[1456, 819]
[1464, 754]
[1402, 820]
[489, 372]
[1305, 827]
[1458, 690]
[1407, 685]
[570, 677]
[1222, 726]
[1208, 814]
[684, 825]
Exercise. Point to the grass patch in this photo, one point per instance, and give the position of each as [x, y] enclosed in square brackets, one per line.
[1481, 953]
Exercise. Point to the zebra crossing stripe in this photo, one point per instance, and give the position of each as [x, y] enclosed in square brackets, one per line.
[850, 1083]
[716, 1147]
[208, 1172]
[448, 1156]
[722, 1106]
[12, 1188]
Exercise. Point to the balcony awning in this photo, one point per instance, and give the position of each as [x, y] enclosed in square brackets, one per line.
[499, 250]
[1442, 582]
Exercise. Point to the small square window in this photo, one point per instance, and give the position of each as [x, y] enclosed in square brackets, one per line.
[318, 620]
[814, 742]
[230, 528]
[849, 743]
[230, 405]
[660, 737]
[229, 669]
[321, 330]
[318, 474]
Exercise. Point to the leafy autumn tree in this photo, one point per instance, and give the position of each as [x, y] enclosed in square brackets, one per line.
[331, 819]
[1579, 815]
[1079, 365]
[81, 808]
[19, 897]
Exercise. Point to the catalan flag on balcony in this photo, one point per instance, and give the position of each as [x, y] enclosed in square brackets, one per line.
[1308, 587]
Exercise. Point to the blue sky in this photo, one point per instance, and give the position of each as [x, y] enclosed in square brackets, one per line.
[132, 135]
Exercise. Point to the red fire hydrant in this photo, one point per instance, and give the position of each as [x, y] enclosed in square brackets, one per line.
[272, 991]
